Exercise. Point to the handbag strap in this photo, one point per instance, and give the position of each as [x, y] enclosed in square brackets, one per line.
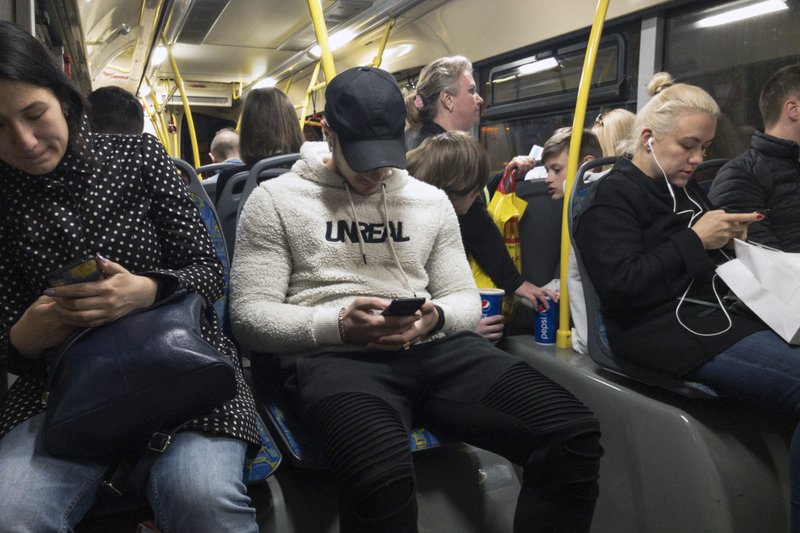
[129, 473]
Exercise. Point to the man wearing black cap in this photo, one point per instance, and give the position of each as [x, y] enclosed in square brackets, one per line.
[321, 252]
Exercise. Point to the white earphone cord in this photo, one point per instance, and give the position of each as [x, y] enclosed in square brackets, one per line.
[682, 299]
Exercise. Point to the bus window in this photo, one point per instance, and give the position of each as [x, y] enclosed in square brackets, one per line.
[730, 59]
[524, 107]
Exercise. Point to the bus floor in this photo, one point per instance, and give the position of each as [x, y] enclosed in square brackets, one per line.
[459, 489]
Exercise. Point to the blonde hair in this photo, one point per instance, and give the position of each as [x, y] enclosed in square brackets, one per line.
[443, 74]
[453, 161]
[612, 129]
[669, 100]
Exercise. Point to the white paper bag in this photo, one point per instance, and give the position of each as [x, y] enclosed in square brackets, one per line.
[768, 282]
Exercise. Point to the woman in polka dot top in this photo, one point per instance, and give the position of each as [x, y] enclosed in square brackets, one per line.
[68, 194]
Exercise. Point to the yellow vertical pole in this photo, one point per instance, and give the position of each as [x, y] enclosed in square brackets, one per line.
[376, 62]
[174, 134]
[311, 85]
[288, 84]
[156, 125]
[563, 335]
[186, 108]
[321, 31]
[157, 108]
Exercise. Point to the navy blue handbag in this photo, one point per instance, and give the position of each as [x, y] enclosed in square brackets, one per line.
[112, 389]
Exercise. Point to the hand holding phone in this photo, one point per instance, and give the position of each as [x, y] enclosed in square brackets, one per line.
[78, 271]
[403, 306]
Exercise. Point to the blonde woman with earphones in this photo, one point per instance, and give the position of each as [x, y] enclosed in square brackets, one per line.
[651, 244]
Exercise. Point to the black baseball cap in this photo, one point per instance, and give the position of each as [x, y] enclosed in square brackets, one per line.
[366, 109]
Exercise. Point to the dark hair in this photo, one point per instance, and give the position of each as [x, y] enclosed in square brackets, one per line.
[26, 60]
[115, 110]
[270, 126]
[780, 86]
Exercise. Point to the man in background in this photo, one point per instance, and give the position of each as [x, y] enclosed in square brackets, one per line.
[766, 178]
[224, 149]
[115, 110]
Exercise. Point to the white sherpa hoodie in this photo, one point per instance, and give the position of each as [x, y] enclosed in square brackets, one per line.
[298, 258]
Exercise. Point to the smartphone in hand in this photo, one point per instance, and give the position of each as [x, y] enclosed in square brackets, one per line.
[403, 306]
[78, 271]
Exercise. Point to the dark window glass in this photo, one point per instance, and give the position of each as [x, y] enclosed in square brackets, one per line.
[731, 61]
[525, 108]
[524, 81]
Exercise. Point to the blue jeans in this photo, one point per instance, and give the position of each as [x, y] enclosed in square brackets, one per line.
[762, 370]
[196, 486]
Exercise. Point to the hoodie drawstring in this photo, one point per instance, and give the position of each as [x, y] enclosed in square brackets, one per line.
[361, 246]
[391, 241]
[358, 224]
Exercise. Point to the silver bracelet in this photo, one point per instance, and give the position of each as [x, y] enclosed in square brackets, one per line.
[342, 334]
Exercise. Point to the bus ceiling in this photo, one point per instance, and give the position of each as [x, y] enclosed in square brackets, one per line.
[215, 42]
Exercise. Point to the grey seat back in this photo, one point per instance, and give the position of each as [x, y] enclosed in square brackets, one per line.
[209, 170]
[599, 349]
[228, 207]
[211, 220]
[706, 171]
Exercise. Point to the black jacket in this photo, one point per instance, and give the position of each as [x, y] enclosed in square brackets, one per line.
[482, 240]
[767, 176]
[641, 257]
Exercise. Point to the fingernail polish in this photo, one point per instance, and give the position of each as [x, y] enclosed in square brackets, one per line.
[759, 217]
[102, 259]
[49, 292]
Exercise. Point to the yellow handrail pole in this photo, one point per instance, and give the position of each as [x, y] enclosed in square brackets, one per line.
[288, 84]
[376, 62]
[160, 115]
[175, 143]
[563, 335]
[309, 92]
[186, 108]
[321, 31]
[156, 125]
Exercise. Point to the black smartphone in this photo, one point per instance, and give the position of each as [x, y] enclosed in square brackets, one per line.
[403, 306]
[735, 209]
[78, 271]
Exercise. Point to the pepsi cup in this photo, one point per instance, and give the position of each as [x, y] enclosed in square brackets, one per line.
[546, 323]
[491, 302]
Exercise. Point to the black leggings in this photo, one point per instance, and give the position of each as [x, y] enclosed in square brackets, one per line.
[515, 412]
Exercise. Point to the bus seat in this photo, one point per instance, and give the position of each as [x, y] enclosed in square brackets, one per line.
[213, 168]
[269, 167]
[228, 208]
[598, 347]
[673, 463]
[541, 226]
[208, 214]
[459, 487]
[268, 458]
[304, 452]
[706, 171]
[210, 170]
[292, 437]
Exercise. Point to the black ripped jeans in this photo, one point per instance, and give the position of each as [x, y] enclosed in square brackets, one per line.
[361, 406]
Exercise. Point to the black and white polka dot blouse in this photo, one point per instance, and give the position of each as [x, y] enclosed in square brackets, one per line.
[123, 199]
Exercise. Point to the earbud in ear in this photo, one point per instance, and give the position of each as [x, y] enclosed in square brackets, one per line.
[650, 143]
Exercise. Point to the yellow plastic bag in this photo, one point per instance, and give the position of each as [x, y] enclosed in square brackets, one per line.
[506, 210]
